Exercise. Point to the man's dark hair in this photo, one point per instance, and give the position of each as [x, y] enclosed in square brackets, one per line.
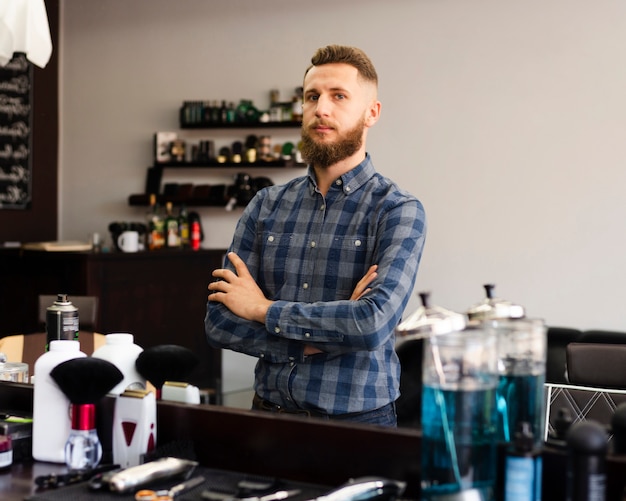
[347, 55]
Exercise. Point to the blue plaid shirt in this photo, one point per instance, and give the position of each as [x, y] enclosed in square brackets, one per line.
[307, 252]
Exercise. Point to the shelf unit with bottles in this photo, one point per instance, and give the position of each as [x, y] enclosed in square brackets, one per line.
[199, 197]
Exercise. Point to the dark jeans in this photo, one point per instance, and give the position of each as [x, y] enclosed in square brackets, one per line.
[383, 416]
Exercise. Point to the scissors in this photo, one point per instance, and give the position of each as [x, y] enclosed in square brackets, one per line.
[169, 494]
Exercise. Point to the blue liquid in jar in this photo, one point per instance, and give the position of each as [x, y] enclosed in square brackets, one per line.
[459, 429]
[521, 398]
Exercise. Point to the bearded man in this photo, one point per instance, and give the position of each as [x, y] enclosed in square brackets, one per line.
[321, 269]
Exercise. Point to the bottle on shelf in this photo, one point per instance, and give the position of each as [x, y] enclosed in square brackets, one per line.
[207, 112]
[172, 236]
[195, 227]
[196, 235]
[156, 233]
[183, 227]
[223, 112]
[215, 111]
[231, 113]
[296, 106]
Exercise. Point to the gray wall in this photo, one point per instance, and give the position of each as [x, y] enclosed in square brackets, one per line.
[506, 118]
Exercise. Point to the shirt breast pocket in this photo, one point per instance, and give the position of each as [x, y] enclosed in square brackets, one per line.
[347, 260]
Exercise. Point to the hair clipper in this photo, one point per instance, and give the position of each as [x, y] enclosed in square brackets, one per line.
[134, 427]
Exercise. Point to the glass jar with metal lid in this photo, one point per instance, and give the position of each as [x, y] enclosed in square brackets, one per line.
[459, 416]
[522, 350]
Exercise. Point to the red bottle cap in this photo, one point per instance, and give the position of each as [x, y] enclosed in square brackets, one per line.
[5, 443]
[83, 416]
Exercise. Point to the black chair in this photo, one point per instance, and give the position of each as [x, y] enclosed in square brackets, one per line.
[599, 365]
[556, 359]
[603, 336]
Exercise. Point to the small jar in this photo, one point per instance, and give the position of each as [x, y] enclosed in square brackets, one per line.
[6, 451]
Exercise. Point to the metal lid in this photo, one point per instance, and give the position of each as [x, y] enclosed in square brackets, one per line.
[429, 321]
[494, 308]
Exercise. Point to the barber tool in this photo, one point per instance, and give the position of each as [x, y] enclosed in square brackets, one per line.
[54, 480]
[166, 362]
[139, 476]
[273, 496]
[134, 426]
[84, 381]
[168, 494]
[250, 486]
[367, 489]
[435, 325]
[175, 391]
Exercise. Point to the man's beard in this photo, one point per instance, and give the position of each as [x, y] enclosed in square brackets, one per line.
[326, 154]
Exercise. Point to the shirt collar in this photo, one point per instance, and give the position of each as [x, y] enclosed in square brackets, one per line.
[352, 180]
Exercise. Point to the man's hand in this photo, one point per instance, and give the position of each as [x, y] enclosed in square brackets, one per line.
[239, 292]
[362, 286]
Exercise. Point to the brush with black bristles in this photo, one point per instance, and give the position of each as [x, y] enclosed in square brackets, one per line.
[84, 381]
[166, 362]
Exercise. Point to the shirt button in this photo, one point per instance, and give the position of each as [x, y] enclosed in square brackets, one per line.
[262, 355]
[291, 364]
[322, 207]
[357, 243]
[307, 334]
[270, 238]
[313, 244]
[338, 182]
[347, 188]
[305, 285]
[276, 329]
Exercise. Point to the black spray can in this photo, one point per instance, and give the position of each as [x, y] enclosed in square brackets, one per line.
[61, 320]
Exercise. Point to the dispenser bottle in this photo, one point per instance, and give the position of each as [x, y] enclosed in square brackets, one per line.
[587, 444]
[51, 408]
[121, 350]
[523, 467]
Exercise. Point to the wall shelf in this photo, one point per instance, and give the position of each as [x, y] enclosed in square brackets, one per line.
[242, 125]
[207, 195]
[143, 200]
[287, 164]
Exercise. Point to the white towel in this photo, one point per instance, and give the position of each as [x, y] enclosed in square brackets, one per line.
[24, 28]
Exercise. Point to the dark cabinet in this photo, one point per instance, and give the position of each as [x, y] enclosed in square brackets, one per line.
[159, 297]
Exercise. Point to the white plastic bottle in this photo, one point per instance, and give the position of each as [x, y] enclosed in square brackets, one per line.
[121, 350]
[51, 408]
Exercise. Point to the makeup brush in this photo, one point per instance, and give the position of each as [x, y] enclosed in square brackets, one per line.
[84, 381]
[166, 362]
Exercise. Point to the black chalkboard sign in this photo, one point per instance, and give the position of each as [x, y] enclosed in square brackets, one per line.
[15, 133]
